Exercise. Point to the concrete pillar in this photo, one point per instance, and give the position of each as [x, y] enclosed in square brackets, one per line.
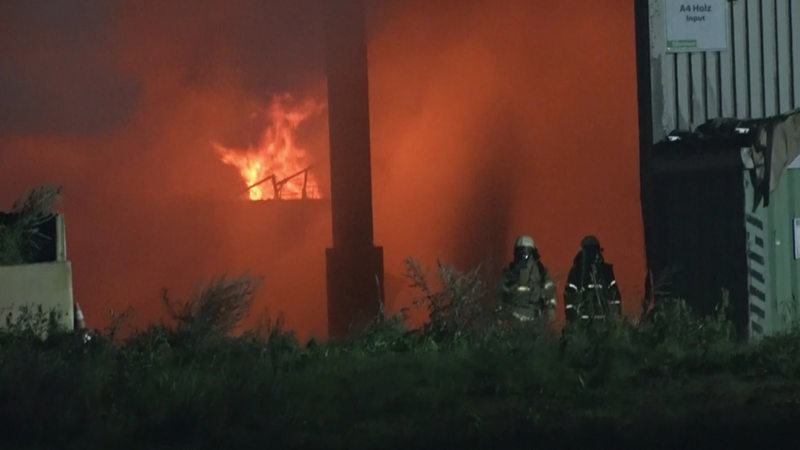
[354, 264]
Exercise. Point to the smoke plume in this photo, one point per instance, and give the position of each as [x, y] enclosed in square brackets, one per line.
[489, 119]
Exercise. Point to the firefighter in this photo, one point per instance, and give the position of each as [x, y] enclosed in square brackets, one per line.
[527, 290]
[591, 292]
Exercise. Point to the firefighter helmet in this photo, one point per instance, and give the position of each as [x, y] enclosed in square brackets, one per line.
[525, 241]
[590, 241]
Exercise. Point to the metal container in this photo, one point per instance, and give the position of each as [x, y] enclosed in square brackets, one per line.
[773, 256]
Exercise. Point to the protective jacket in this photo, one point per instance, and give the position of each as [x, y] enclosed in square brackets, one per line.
[528, 290]
[591, 291]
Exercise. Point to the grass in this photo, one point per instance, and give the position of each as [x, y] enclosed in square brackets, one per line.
[164, 389]
[462, 380]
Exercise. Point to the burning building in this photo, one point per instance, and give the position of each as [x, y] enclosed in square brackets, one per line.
[154, 117]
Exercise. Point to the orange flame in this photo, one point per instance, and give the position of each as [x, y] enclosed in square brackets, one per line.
[276, 159]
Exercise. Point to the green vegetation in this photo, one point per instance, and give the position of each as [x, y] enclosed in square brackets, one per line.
[20, 237]
[672, 380]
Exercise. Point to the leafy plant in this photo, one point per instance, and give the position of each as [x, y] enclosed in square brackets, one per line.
[456, 308]
[32, 321]
[455, 382]
[216, 308]
[19, 236]
[673, 320]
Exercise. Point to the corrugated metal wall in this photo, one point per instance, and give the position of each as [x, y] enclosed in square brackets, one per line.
[757, 76]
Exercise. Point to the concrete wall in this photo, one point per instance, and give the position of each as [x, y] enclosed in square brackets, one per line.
[46, 286]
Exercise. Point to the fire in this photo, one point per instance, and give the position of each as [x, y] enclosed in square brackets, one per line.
[276, 168]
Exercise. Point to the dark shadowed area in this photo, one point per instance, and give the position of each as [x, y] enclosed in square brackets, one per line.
[489, 119]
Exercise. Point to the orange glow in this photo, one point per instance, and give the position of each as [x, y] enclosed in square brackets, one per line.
[476, 136]
[276, 168]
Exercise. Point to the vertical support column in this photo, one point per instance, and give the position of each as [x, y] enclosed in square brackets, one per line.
[645, 101]
[354, 264]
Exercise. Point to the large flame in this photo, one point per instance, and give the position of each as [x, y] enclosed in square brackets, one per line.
[277, 167]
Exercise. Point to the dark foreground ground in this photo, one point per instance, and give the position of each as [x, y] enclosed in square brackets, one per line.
[628, 387]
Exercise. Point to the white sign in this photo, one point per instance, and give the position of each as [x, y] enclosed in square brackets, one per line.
[797, 238]
[696, 26]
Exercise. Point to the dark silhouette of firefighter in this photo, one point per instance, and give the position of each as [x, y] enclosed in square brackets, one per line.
[591, 292]
[528, 293]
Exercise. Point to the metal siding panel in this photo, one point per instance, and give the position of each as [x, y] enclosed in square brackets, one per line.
[714, 89]
[772, 319]
[758, 287]
[795, 43]
[668, 111]
[727, 74]
[793, 182]
[757, 257]
[755, 221]
[769, 265]
[759, 75]
[779, 286]
[682, 90]
[784, 55]
[756, 277]
[757, 290]
[784, 271]
[769, 58]
[759, 294]
[740, 67]
[757, 312]
[754, 66]
[697, 91]
[662, 66]
[774, 257]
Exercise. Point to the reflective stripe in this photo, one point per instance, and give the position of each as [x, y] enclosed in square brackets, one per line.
[572, 286]
[613, 282]
[548, 285]
[614, 302]
[592, 286]
[596, 317]
[570, 306]
[521, 317]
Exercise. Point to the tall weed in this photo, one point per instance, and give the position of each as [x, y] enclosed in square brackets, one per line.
[455, 308]
[216, 308]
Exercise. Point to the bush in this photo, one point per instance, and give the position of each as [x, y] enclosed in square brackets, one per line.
[18, 238]
[30, 321]
[456, 309]
[451, 382]
[216, 308]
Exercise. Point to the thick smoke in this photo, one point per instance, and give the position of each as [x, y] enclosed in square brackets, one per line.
[493, 119]
[57, 74]
[119, 102]
[489, 119]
